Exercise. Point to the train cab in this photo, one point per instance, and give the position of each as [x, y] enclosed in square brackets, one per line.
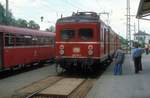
[82, 40]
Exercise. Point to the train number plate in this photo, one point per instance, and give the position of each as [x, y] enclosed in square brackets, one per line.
[76, 50]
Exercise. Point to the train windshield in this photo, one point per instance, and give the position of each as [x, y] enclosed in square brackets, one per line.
[67, 34]
[86, 34]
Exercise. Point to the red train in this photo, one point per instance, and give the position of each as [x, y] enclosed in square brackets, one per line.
[20, 46]
[84, 41]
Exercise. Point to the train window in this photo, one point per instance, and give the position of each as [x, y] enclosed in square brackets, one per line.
[42, 41]
[20, 40]
[101, 34]
[34, 40]
[52, 42]
[27, 40]
[67, 34]
[9, 39]
[46, 41]
[38, 42]
[86, 34]
[104, 34]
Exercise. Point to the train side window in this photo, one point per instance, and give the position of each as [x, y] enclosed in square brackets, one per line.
[47, 41]
[86, 34]
[9, 39]
[34, 40]
[67, 34]
[101, 34]
[20, 40]
[52, 42]
[42, 42]
[38, 40]
[105, 31]
[28, 40]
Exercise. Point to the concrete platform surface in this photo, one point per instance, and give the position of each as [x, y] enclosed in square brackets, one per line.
[128, 85]
[13, 83]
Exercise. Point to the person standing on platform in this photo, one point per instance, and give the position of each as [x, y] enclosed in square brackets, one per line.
[146, 49]
[140, 63]
[136, 56]
[119, 59]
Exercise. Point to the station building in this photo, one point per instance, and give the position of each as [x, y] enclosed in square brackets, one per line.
[142, 37]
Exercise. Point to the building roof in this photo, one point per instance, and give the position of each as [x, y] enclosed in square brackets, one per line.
[144, 9]
[141, 33]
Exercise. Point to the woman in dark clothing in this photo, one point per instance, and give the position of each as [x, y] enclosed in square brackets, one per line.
[119, 59]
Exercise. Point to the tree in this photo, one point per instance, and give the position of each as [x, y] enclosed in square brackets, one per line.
[13, 22]
[33, 25]
[22, 23]
[2, 14]
[6, 20]
[51, 29]
[10, 20]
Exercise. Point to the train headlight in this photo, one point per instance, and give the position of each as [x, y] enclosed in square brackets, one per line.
[61, 47]
[61, 52]
[90, 47]
[90, 52]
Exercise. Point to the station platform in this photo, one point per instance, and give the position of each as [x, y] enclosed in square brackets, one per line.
[127, 85]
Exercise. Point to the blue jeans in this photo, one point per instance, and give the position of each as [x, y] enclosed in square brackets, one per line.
[118, 69]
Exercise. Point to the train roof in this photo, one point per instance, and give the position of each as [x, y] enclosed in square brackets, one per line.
[80, 17]
[18, 30]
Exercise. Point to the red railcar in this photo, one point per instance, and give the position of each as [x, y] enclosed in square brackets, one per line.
[83, 41]
[19, 46]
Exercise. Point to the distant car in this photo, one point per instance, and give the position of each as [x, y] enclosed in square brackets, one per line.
[20, 46]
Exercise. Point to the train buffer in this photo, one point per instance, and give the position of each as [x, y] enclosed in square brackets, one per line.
[56, 87]
[127, 85]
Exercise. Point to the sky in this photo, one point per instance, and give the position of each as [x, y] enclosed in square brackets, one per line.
[51, 10]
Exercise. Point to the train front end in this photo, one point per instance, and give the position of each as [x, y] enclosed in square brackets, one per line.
[76, 44]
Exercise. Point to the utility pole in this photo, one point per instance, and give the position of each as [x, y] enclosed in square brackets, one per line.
[134, 30]
[138, 25]
[134, 27]
[128, 29]
[6, 13]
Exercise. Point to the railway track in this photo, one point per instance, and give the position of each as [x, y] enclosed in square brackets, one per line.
[56, 87]
[60, 86]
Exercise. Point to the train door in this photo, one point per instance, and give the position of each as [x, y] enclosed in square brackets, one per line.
[1, 49]
[108, 41]
[105, 40]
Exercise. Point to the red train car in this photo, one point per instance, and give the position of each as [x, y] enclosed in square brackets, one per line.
[19, 46]
[83, 41]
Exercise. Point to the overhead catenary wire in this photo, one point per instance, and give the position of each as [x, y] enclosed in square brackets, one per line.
[74, 5]
[97, 2]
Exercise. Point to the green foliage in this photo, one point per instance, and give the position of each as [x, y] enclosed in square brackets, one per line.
[51, 29]
[2, 14]
[5, 20]
[33, 25]
[123, 41]
[21, 23]
[10, 20]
